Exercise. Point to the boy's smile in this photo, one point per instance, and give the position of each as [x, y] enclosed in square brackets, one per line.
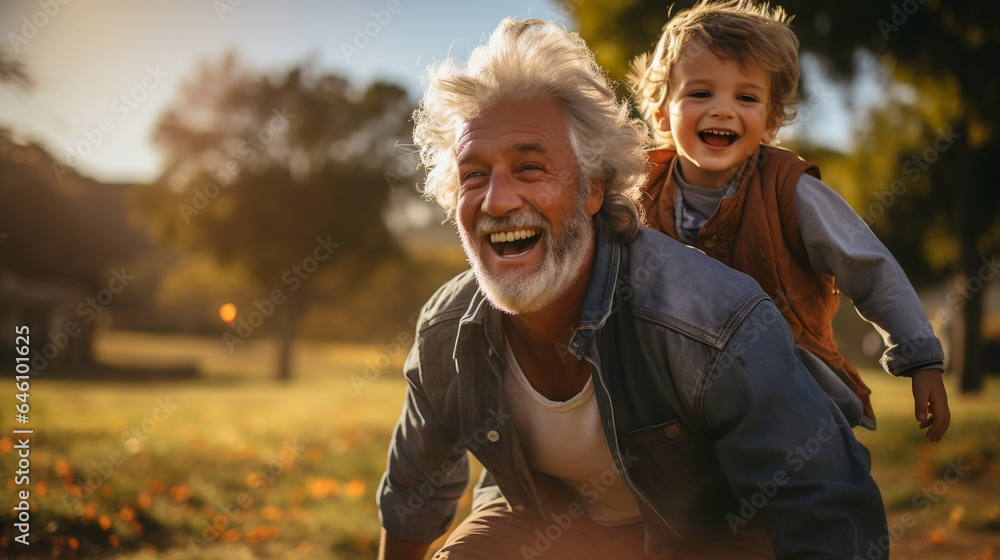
[716, 111]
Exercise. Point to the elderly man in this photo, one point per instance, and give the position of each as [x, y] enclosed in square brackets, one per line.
[627, 396]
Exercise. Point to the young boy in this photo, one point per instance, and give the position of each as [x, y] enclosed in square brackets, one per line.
[721, 81]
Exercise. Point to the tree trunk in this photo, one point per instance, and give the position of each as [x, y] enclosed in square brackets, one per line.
[972, 318]
[287, 318]
[967, 340]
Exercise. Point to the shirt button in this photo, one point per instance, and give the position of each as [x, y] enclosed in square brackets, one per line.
[493, 436]
[709, 243]
[490, 351]
[673, 430]
[519, 507]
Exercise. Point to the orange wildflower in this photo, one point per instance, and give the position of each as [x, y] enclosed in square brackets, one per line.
[321, 487]
[355, 488]
[62, 469]
[271, 513]
[231, 535]
[937, 537]
[180, 493]
[126, 514]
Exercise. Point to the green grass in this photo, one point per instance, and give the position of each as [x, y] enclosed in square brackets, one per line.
[289, 470]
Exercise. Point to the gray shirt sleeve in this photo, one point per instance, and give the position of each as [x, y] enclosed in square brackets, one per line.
[838, 242]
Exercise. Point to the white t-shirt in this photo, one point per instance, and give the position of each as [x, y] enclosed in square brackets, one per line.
[565, 440]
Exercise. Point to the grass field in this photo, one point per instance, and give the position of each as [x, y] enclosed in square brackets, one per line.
[237, 466]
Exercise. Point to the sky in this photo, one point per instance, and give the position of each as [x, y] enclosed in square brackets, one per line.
[105, 70]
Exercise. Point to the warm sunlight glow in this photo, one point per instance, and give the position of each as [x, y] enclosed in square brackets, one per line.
[227, 312]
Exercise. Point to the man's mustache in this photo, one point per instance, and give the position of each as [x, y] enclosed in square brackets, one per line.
[523, 219]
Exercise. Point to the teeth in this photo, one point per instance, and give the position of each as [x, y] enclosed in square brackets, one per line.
[719, 132]
[502, 237]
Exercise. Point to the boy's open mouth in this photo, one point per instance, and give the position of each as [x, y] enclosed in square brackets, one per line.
[717, 137]
[513, 243]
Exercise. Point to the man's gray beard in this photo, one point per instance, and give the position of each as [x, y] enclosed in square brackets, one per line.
[529, 291]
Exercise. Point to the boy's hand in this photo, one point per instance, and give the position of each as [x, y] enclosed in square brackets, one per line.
[931, 403]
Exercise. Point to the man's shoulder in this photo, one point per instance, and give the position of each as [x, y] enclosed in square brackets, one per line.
[685, 289]
[450, 301]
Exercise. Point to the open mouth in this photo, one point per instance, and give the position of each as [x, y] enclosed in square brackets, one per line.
[720, 138]
[514, 243]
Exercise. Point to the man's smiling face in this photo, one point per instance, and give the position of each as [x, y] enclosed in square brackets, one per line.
[525, 223]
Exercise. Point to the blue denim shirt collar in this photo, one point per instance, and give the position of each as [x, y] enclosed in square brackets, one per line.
[596, 305]
[600, 294]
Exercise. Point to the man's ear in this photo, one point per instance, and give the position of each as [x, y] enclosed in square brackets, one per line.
[595, 198]
[662, 118]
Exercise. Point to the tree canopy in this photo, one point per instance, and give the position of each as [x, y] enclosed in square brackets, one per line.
[283, 176]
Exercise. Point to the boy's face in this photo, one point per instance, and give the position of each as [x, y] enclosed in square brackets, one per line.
[717, 113]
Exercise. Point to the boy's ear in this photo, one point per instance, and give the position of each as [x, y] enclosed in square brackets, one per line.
[772, 130]
[662, 118]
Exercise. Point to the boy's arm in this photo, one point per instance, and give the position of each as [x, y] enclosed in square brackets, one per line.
[838, 242]
[930, 402]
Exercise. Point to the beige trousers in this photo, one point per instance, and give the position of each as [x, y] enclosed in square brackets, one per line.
[495, 533]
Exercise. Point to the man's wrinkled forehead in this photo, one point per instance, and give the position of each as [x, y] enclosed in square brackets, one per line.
[472, 132]
[520, 123]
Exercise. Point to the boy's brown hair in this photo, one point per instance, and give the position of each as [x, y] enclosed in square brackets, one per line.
[744, 31]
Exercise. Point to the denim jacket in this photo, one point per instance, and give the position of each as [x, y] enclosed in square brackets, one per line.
[710, 419]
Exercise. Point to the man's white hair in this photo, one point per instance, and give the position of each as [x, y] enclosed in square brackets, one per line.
[535, 59]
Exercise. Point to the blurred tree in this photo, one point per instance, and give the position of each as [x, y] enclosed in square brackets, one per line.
[62, 238]
[284, 176]
[939, 138]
